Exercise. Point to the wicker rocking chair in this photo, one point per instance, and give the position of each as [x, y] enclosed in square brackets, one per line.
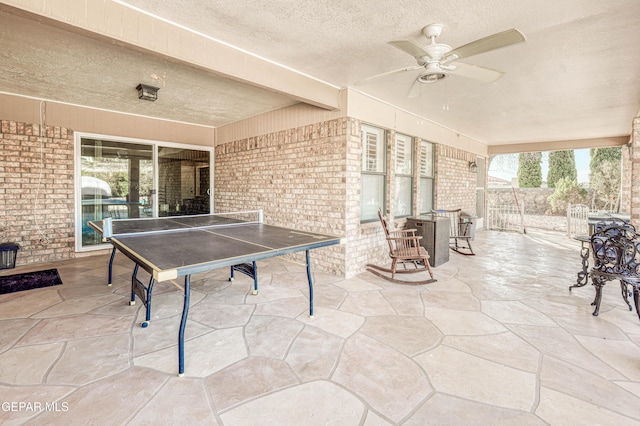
[459, 237]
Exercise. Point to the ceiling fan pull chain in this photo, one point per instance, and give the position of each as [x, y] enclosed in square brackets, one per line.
[445, 105]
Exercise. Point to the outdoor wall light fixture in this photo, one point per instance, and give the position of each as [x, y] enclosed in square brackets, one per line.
[147, 93]
[473, 167]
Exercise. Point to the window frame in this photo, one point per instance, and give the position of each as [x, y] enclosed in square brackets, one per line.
[380, 171]
[426, 178]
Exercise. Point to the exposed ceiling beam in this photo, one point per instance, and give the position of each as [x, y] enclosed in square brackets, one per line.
[558, 145]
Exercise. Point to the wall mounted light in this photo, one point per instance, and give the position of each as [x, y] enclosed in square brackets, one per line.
[473, 167]
[147, 93]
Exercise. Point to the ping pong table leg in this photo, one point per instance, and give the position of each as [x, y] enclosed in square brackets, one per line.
[249, 270]
[113, 255]
[183, 323]
[144, 293]
[255, 278]
[310, 284]
[148, 304]
[132, 302]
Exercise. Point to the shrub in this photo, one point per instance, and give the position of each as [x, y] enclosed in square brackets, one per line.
[567, 192]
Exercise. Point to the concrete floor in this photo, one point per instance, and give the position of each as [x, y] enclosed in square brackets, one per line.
[498, 339]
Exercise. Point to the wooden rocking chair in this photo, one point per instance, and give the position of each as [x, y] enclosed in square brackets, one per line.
[404, 249]
[459, 235]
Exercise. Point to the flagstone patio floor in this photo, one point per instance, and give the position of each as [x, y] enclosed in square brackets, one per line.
[498, 340]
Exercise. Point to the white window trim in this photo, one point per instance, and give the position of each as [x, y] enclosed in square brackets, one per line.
[426, 177]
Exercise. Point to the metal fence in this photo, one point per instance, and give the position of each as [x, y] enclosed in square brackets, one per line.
[506, 217]
[577, 220]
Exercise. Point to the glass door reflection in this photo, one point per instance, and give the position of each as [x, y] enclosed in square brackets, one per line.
[183, 181]
[116, 181]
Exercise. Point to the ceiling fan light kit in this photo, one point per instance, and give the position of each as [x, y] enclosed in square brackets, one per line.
[430, 77]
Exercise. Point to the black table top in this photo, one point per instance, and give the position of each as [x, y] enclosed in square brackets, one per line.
[169, 247]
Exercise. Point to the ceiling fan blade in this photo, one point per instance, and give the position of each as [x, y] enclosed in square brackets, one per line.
[486, 44]
[410, 47]
[388, 73]
[475, 72]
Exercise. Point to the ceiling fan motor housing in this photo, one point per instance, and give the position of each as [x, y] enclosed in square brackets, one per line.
[432, 30]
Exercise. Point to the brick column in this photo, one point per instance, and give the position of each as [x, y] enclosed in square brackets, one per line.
[37, 191]
[634, 178]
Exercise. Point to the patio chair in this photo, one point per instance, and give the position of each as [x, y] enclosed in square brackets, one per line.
[459, 232]
[616, 255]
[405, 250]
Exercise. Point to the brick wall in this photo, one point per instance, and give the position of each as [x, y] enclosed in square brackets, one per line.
[307, 177]
[634, 173]
[298, 176]
[310, 178]
[20, 182]
[625, 180]
[455, 185]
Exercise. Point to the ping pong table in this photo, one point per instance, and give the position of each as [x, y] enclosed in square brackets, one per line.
[172, 247]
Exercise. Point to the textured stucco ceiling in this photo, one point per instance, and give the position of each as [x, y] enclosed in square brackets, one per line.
[576, 77]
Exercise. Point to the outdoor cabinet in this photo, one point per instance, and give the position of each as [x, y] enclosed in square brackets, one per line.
[434, 231]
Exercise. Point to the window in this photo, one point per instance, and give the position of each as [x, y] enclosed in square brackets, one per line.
[133, 179]
[373, 173]
[425, 202]
[403, 200]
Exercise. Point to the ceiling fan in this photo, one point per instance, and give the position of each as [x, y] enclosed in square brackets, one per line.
[437, 59]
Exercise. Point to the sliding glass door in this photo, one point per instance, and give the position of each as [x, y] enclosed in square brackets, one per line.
[122, 179]
[116, 181]
[183, 181]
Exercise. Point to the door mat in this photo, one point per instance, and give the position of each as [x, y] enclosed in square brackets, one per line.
[29, 280]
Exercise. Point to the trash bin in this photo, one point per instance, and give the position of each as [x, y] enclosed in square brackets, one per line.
[468, 225]
[8, 252]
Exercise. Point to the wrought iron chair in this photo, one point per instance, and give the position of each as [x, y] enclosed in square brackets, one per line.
[404, 249]
[459, 231]
[616, 254]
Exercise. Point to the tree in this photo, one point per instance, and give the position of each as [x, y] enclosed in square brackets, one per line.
[605, 177]
[601, 155]
[562, 164]
[567, 192]
[605, 182]
[530, 169]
